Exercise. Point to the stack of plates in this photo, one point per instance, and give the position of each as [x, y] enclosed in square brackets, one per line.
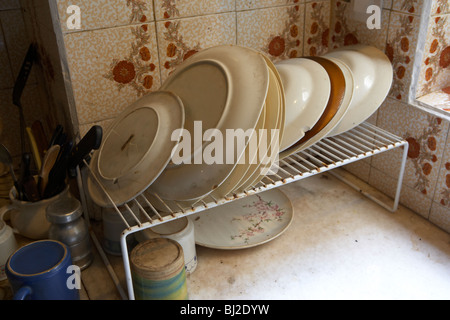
[329, 95]
[182, 143]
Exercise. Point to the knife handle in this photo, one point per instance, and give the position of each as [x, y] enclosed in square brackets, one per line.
[91, 141]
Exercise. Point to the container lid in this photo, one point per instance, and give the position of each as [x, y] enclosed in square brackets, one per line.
[64, 210]
[157, 259]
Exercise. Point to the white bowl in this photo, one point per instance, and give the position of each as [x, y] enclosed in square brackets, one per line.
[373, 74]
[307, 88]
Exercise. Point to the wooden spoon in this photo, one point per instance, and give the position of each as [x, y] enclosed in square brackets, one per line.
[47, 164]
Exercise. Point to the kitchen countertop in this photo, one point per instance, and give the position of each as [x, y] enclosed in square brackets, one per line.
[340, 245]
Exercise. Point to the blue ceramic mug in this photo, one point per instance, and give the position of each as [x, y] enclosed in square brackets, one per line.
[42, 270]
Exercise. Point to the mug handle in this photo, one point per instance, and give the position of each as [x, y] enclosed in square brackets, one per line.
[22, 293]
[5, 209]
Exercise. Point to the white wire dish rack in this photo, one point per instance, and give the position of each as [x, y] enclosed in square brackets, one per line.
[359, 143]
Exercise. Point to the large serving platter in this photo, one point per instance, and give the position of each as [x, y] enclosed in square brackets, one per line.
[223, 88]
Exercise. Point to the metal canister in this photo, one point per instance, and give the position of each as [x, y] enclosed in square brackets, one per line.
[69, 227]
[157, 270]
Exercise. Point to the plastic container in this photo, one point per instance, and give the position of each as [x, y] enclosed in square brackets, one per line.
[157, 270]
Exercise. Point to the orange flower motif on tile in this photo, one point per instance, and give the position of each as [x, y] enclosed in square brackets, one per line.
[398, 51]
[277, 46]
[344, 35]
[171, 50]
[189, 54]
[437, 57]
[319, 30]
[404, 44]
[148, 82]
[420, 152]
[401, 72]
[434, 46]
[414, 148]
[444, 60]
[170, 9]
[284, 45]
[177, 50]
[389, 52]
[124, 72]
[350, 39]
[445, 191]
[145, 54]
[135, 69]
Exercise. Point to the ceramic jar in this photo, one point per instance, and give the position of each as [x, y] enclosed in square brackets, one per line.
[29, 218]
[8, 245]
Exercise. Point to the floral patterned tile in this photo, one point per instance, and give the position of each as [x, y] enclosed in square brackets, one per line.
[408, 6]
[435, 71]
[282, 35]
[426, 135]
[440, 216]
[440, 7]
[401, 49]
[409, 197]
[439, 99]
[442, 194]
[257, 4]
[317, 28]
[172, 9]
[179, 39]
[106, 13]
[348, 31]
[111, 68]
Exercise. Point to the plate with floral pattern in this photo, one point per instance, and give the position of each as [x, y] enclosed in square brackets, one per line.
[244, 223]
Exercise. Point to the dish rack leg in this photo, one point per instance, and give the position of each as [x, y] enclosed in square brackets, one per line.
[126, 262]
[393, 207]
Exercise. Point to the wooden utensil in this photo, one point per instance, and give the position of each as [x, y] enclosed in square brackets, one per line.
[47, 165]
[34, 149]
[41, 137]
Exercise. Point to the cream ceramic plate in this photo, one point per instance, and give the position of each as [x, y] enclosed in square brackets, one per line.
[223, 190]
[275, 120]
[307, 88]
[373, 75]
[341, 96]
[244, 223]
[224, 87]
[250, 158]
[136, 149]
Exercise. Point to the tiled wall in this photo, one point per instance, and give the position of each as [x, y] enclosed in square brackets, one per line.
[433, 86]
[14, 43]
[426, 187]
[126, 48]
